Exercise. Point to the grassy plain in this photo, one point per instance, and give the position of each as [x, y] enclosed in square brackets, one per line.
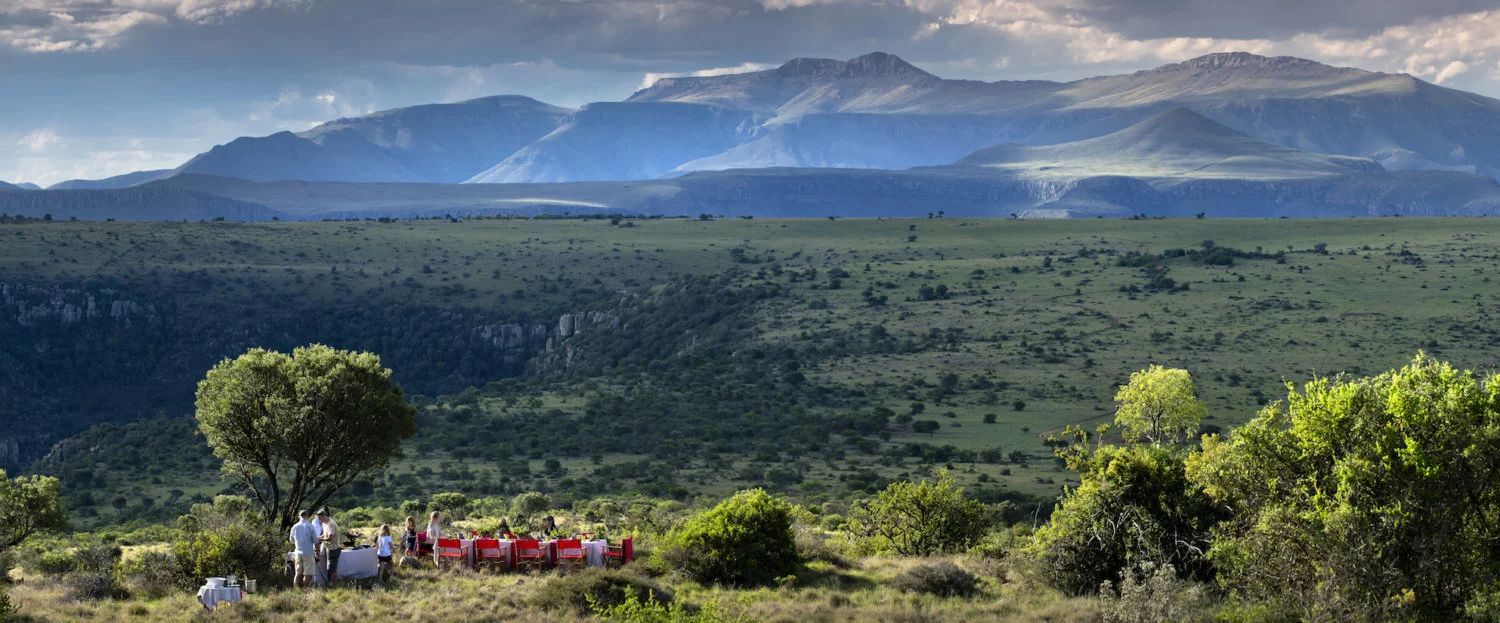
[1042, 308]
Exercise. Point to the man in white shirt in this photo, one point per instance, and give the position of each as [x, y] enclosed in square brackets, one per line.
[304, 538]
[329, 540]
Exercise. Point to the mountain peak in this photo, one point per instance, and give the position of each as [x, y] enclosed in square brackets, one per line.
[872, 65]
[1241, 60]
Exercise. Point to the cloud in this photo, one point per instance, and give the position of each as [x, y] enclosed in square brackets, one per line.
[38, 140]
[651, 78]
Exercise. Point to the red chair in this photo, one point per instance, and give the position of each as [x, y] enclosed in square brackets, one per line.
[449, 549]
[487, 553]
[570, 554]
[423, 546]
[528, 554]
[615, 556]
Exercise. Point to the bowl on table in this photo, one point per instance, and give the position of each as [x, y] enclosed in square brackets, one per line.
[216, 582]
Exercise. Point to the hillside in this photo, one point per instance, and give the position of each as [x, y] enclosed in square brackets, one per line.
[119, 181]
[678, 324]
[443, 143]
[1174, 146]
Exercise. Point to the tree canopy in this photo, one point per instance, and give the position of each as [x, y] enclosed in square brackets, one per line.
[28, 505]
[925, 518]
[1357, 496]
[1159, 405]
[295, 429]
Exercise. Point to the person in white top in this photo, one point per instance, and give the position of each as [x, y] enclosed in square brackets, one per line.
[435, 528]
[304, 538]
[383, 551]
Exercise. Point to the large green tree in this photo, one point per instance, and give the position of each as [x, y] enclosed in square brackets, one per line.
[28, 505]
[1159, 405]
[1359, 496]
[296, 429]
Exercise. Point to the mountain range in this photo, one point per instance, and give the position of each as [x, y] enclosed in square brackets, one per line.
[1272, 129]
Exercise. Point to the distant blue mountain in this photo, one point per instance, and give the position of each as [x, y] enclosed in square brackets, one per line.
[119, 181]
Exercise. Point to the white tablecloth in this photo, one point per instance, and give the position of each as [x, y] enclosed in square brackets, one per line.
[354, 564]
[594, 552]
[211, 597]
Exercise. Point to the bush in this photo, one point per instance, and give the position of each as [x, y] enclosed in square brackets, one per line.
[453, 506]
[527, 504]
[926, 518]
[153, 575]
[594, 588]
[1154, 594]
[746, 540]
[6, 609]
[941, 578]
[227, 537]
[633, 610]
[94, 572]
[814, 544]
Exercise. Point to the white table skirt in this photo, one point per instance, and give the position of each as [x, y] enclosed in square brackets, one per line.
[354, 564]
[594, 552]
[211, 597]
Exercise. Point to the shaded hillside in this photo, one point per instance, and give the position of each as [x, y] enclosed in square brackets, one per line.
[1173, 146]
[434, 143]
[119, 181]
[133, 204]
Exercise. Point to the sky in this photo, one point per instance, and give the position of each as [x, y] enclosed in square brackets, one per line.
[93, 88]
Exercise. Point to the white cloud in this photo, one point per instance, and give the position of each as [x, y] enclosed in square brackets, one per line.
[651, 78]
[38, 140]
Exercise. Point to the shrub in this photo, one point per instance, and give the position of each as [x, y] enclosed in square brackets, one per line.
[527, 504]
[814, 544]
[633, 610]
[921, 519]
[746, 540]
[1134, 505]
[6, 609]
[94, 573]
[227, 537]
[941, 578]
[1154, 594]
[594, 588]
[153, 575]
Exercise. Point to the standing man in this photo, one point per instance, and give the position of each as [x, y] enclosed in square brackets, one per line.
[330, 541]
[304, 539]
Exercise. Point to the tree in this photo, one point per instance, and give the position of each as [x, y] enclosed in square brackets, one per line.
[296, 429]
[28, 505]
[1359, 495]
[925, 518]
[1158, 405]
[1133, 509]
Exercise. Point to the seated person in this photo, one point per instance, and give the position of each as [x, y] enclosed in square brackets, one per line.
[548, 529]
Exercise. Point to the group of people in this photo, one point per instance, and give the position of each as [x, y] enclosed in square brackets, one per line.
[312, 542]
[316, 540]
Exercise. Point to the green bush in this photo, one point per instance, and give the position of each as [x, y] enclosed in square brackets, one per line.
[1154, 594]
[453, 506]
[633, 610]
[924, 518]
[94, 574]
[228, 537]
[153, 575]
[59, 562]
[594, 588]
[746, 540]
[941, 578]
[527, 504]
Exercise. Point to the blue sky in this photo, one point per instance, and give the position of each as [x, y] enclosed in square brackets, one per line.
[93, 88]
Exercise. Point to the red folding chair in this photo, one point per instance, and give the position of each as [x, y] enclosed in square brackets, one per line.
[570, 554]
[424, 547]
[449, 549]
[528, 554]
[487, 553]
[615, 556]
